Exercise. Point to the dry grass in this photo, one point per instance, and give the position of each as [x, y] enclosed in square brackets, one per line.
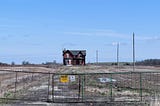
[87, 69]
[155, 101]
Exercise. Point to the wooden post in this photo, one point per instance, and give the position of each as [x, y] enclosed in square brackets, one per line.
[133, 52]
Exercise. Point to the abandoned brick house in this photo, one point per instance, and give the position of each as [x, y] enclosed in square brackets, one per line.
[74, 57]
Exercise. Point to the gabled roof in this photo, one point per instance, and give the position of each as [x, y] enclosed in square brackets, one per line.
[76, 52]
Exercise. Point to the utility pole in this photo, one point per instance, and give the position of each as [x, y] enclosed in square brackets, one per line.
[97, 56]
[133, 52]
[118, 55]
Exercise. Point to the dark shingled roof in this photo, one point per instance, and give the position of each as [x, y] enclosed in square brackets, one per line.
[75, 52]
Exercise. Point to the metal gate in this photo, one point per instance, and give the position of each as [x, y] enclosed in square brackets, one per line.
[67, 88]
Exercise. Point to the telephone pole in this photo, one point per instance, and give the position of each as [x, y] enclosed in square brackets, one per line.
[133, 52]
[118, 55]
[97, 56]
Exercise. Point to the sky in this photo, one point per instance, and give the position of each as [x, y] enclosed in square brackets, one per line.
[38, 30]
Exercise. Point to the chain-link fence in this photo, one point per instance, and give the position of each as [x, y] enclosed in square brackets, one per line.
[24, 85]
[106, 87]
[83, 87]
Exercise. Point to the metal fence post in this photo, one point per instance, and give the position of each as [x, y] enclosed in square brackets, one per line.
[141, 85]
[111, 95]
[83, 78]
[15, 87]
[48, 86]
[53, 88]
[79, 88]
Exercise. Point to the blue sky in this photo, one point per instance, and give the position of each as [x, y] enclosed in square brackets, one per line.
[38, 30]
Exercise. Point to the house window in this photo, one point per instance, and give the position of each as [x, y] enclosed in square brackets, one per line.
[67, 55]
[80, 55]
[70, 62]
[80, 62]
[67, 62]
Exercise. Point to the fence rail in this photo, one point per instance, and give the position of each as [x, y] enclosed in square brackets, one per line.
[79, 87]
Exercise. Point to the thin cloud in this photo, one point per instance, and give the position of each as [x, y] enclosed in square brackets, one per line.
[26, 36]
[5, 26]
[148, 38]
[31, 44]
[65, 45]
[115, 43]
[100, 33]
[69, 44]
[5, 37]
[113, 34]
[79, 33]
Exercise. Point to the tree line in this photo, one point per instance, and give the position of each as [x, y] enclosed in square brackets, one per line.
[151, 62]
[27, 63]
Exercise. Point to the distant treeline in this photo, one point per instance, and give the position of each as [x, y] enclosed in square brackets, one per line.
[27, 63]
[111, 63]
[3, 64]
[147, 62]
[151, 62]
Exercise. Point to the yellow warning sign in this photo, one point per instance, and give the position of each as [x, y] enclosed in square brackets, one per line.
[64, 78]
